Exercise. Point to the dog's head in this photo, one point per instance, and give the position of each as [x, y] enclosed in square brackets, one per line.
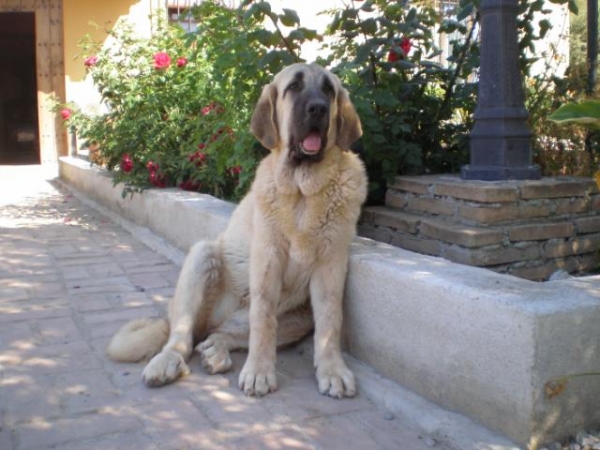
[306, 111]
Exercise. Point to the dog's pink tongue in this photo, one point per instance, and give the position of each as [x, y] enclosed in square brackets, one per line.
[312, 142]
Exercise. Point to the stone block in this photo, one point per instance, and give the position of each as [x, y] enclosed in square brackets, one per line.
[559, 248]
[397, 220]
[432, 206]
[557, 187]
[540, 231]
[571, 206]
[595, 203]
[416, 244]
[477, 191]
[372, 232]
[508, 212]
[366, 216]
[588, 224]
[417, 185]
[539, 272]
[493, 255]
[395, 199]
[462, 235]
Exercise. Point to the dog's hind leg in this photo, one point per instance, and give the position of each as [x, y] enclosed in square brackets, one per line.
[198, 288]
[234, 333]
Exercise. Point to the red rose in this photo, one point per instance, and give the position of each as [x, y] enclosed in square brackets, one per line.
[393, 56]
[66, 113]
[181, 62]
[152, 166]
[161, 60]
[190, 185]
[90, 61]
[157, 179]
[126, 163]
[198, 158]
[213, 106]
[405, 45]
[235, 171]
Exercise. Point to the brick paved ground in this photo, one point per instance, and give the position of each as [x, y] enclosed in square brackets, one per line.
[69, 278]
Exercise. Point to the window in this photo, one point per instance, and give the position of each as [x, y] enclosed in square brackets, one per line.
[179, 13]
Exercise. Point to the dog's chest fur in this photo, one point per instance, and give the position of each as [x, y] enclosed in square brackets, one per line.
[312, 209]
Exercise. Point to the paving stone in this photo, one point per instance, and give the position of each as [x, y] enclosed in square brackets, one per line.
[340, 433]
[120, 441]
[44, 433]
[34, 309]
[309, 403]
[28, 397]
[6, 442]
[119, 314]
[58, 330]
[175, 424]
[89, 302]
[388, 434]
[288, 438]
[86, 391]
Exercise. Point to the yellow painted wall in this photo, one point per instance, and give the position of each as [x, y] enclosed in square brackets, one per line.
[78, 16]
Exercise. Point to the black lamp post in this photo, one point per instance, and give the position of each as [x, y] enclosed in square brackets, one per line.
[500, 139]
[592, 44]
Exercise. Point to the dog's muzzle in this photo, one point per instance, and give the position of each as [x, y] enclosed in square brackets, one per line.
[309, 139]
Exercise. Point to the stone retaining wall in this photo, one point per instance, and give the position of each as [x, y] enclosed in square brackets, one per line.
[530, 229]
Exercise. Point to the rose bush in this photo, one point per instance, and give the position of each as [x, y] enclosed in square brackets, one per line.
[179, 104]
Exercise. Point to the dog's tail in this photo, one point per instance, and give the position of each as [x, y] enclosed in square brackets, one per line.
[139, 340]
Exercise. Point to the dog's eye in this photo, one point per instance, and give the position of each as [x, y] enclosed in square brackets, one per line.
[294, 86]
[328, 88]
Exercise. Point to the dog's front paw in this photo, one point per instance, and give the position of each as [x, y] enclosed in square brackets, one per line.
[335, 379]
[215, 355]
[164, 368]
[258, 378]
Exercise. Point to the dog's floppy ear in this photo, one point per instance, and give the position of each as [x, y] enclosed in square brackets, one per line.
[263, 124]
[349, 128]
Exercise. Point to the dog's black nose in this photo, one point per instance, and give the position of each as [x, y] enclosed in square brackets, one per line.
[316, 108]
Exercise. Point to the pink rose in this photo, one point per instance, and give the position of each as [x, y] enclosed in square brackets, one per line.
[181, 62]
[66, 113]
[90, 61]
[161, 60]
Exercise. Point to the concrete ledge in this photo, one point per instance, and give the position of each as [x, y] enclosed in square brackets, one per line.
[474, 341]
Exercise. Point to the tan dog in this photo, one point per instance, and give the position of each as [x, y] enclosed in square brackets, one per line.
[285, 250]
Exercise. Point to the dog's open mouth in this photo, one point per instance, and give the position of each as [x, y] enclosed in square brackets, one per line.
[312, 143]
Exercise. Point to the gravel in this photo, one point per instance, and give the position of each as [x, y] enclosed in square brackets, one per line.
[585, 440]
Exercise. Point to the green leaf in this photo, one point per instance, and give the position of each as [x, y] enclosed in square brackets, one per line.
[573, 8]
[363, 53]
[289, 17]
[465, 12]
[369, 26]
[586, 113]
